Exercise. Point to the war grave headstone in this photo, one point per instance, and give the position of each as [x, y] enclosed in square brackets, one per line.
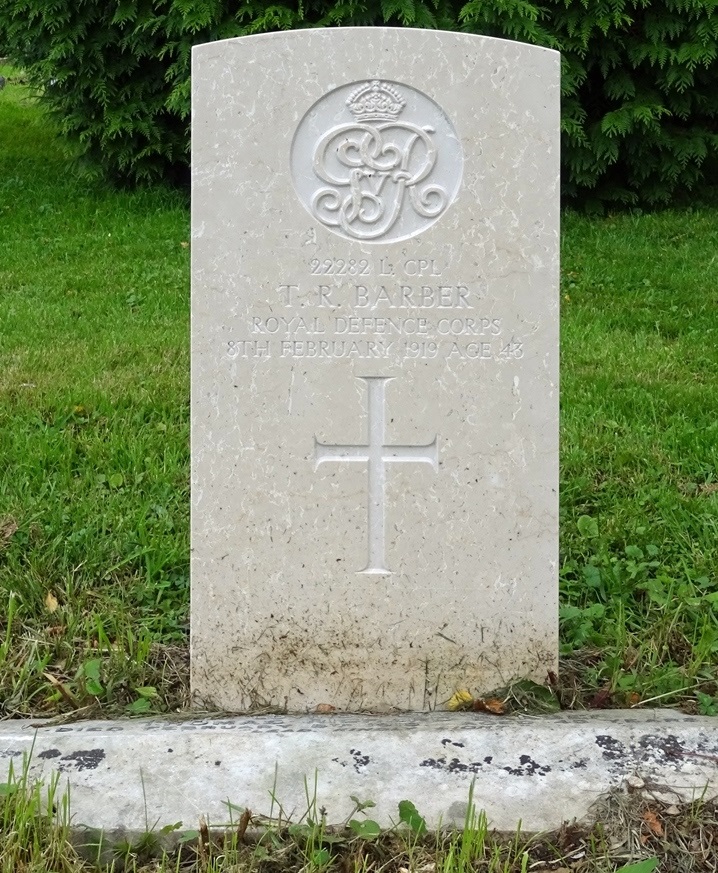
[374, 368]
[375, 359]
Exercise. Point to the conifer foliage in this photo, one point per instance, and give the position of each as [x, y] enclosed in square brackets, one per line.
[639, 83]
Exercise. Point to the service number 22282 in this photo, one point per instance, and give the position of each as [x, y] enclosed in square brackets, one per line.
[339, 267]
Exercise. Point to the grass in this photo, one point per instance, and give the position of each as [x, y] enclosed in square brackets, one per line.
[94, 446]
[639, 483]
[94, 392]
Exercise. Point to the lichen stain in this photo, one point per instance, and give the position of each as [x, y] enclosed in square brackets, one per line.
[527, 766]
[452, 766]
[667, 748]
[359, 760]
[83, 759]
[613, 749]
[647, 749]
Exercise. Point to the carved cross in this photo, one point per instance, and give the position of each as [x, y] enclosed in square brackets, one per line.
[376, 455]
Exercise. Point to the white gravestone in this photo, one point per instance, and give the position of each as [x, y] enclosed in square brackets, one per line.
[374, 368]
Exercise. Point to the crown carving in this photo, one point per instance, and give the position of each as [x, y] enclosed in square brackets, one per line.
[375, 101]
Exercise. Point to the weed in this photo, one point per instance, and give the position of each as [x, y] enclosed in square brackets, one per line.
[34, 825]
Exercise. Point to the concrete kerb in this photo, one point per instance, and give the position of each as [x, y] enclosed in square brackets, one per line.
[537, 770]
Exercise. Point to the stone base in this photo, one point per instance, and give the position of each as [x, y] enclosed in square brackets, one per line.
[540, 771]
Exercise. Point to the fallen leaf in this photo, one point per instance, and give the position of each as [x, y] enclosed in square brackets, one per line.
[63, 689]
[601, 699]
[324, 708]
[460, 700]
[185, 245]
[651, 819]
[51, 603]
[491, 705]
[634, 698]
[8, 526]
[243, 823]
[203, 836]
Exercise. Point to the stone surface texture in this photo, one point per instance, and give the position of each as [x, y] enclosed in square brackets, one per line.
[537, 770]
[374, 368]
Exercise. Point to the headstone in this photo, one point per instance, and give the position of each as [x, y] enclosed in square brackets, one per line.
[375, 368]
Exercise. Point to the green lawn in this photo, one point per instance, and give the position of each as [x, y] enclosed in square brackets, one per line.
[94, 404]
[639, 426]
[94, 388]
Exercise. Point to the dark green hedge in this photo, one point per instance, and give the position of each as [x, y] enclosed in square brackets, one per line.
[640, 78]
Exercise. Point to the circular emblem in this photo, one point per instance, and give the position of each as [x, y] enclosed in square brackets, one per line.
[376, 161]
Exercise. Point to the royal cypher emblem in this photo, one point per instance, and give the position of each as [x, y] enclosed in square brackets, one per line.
[380, 175]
